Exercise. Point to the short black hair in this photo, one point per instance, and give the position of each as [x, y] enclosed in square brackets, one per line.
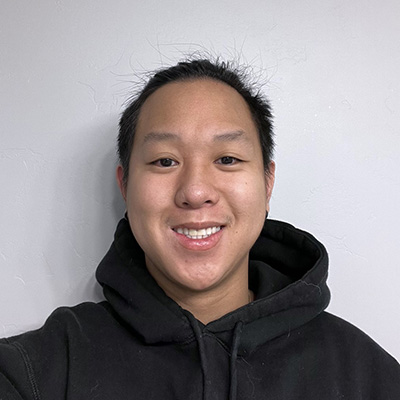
[191, 70]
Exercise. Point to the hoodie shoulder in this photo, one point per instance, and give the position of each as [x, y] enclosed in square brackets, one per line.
[339, 331]
[28, 362]
[352, 355]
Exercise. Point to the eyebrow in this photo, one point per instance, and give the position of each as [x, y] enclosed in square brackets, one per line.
[220, 137]
[159, 137]
[230, 136]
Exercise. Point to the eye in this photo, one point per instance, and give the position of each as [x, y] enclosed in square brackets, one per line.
[165, 163]
[227, 160]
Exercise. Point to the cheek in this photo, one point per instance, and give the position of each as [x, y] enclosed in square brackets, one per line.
[249, 196]
[142, 204]
[147, 196]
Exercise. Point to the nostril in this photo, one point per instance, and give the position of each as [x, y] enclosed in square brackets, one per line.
[195, 196]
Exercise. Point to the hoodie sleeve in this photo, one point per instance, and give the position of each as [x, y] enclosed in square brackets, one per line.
[16, 382]
[34, 365]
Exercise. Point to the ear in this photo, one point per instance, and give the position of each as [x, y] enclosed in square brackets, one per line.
[120, 181]
[269, 182]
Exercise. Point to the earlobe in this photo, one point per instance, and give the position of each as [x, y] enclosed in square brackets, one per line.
[269, 183]
[120, 181]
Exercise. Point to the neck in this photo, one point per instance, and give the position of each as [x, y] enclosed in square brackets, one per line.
[210, 301]
[210, 305]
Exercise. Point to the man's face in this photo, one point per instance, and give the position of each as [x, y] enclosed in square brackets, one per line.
[197, 192]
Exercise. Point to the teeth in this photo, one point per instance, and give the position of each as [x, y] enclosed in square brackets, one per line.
[198, 233]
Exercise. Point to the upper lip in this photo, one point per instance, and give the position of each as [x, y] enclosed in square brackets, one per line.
[197, 225]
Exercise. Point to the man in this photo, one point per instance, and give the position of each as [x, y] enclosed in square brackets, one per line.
[205, 299]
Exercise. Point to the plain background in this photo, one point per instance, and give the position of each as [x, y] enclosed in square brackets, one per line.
[332, 73]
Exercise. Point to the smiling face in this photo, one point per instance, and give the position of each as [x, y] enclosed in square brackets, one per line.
[197, 193]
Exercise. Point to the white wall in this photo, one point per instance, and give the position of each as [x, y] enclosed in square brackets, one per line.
[66, 69]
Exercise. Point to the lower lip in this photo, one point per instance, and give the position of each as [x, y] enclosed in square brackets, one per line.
[199, 244]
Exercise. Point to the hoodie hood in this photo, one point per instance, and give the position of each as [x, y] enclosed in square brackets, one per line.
[287, 273]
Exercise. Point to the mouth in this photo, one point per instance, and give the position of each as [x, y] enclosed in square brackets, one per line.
[197, 234]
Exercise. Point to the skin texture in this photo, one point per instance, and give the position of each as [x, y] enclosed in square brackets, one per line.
[196, 163]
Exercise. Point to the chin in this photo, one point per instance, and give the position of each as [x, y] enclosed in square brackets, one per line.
[200, 282]
[200, 286]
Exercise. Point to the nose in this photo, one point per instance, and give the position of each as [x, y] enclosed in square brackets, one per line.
[196, 189]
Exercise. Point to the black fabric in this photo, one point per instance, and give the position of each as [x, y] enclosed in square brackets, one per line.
[140, 344]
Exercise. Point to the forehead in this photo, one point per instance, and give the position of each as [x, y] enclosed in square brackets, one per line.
[186, 107]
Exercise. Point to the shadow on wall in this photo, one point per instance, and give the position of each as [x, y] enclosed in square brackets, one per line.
[87, 207]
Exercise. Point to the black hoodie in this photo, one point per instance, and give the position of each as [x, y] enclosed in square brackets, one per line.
[140, 344]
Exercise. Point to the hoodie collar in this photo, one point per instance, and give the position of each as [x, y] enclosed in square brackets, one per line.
[287, 272]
